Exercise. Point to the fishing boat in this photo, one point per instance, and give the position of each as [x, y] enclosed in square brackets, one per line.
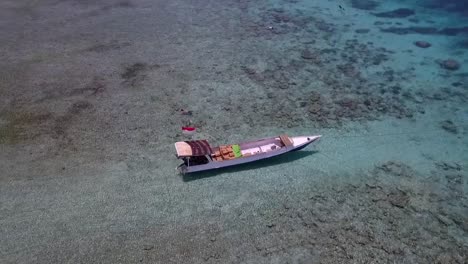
[198, 155]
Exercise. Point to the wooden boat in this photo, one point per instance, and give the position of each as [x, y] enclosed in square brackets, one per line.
[198, 155]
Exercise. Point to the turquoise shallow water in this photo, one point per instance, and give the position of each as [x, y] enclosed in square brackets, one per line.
[90, 107]
[355, 72]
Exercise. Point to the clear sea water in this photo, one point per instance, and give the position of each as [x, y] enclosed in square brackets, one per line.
[93, 95]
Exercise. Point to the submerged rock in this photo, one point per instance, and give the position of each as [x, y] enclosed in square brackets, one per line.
[307, 54]
[310, 55]
[364, 4]
[449, 126]
[463, 44]
[411, 30]
[362, 30]
[396, 169]
[454, 31]
[349, 70]
[446, 166]
[422, 44]
[398, 198]
[397, 13]
[449, 64]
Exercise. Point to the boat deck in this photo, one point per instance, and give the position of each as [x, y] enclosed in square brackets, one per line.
[229, 155]
[252, 150]
[234, 151]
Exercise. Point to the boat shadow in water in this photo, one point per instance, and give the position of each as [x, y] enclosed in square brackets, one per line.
[285, 158]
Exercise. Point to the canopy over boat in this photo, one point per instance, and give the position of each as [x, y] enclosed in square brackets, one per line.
[193, 148]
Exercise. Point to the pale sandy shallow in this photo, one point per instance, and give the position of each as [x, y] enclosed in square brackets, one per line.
[90, 99]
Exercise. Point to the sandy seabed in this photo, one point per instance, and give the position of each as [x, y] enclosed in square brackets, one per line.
[91, 97]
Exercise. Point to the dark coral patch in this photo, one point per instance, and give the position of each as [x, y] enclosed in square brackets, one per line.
[449, 64]
[422, 44]
[397, 13]
[364, 4]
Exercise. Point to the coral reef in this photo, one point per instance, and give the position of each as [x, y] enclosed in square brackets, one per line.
[89, 112]
[393, 213]
[453, 31]
[345, 93]
[397, 13]
[462, 44]
[448, 5]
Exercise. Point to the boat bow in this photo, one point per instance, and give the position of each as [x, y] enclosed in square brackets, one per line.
[302, 141]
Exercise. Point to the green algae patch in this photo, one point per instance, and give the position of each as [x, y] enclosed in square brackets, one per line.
[8, 134]
[19, 126]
